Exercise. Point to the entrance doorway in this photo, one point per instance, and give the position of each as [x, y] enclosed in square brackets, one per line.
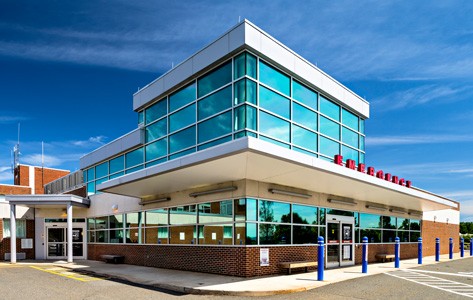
[56, 237]
[340, 241]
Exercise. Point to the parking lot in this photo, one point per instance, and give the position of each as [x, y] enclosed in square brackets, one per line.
[449, 280]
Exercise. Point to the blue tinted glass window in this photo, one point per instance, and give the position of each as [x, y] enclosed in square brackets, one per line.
[274, 126]
[329, 108]
[182, 153]
[141, 117]
[329, 147]
[214, 103]
[304, 138]
[156, 149]
[302, 214]
[91, 174]
[329, 128]
[156, 111]
[362, 158]
[370, 221]
[304, 94]
[362, 143]
[215, 127]
[274, 102]
[181, 140]
[117, 164]
[134, 158]
[215, 79]
[349, 153]
[84, 176]
[349, 119]
[271, 211]
[182, 97]
[304, 116]
[134, 169]
[362, 126]
[245, 117]
[91, 188]
[275, 79]
[101, 170]
[214, 143]
[156, 130]
[245, 91]
[272, 141]
[182, 118]
[349, 137]
[116, 175]
[245, 64]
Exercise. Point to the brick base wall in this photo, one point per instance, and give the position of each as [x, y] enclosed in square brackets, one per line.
[5, 242]
[432, 230]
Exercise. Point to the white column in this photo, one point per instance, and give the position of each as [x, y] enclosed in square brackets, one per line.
[13, 233]
[69, 232]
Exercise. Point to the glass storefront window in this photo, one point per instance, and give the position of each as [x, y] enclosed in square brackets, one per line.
[274, 102]
[183, 215]
[116, 221]
[374, 236]
[271, 211]
[389, 236]
[274, 78]
[216, 234]
[156, 111]
[273, 234]
[414, 224]
[182, 97]
[157, 217]
[303, 214]
[402, 223]
[305, 234]
[135, 219]
[116, 236]
[216, 212]
[183, 234]
[370, 221]
[214, 103]
[214, 79]
[215, 127]
[389, 222]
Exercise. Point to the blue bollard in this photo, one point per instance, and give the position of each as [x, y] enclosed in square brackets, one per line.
[450, 249]
[396, 252]
[321, 259]
[419, 251]
[437, 249]
[471, 246]
[364, 256]
[462, 247]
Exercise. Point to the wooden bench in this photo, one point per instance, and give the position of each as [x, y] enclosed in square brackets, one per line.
[384, 257]
[113, 259]
[297, 264]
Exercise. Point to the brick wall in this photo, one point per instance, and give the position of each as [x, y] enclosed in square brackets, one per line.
[42, 176]
[432, 230]
[14, 190]
[5, 242]
[407, 250]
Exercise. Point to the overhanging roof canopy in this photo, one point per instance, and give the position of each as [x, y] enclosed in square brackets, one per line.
[47, 201]
[254, 159]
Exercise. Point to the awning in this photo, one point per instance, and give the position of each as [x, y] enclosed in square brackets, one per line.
[47, 201]
[254, 159]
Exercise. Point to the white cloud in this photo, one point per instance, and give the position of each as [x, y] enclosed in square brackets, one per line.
[11, 119]
[416, 139]
[90, 142]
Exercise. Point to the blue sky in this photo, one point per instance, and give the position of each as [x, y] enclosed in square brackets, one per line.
[68, 71]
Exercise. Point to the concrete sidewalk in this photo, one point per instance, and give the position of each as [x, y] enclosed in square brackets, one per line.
[211, 284]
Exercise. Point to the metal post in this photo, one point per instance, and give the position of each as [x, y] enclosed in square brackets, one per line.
[419, 251]
[396, 252]
[13, 233]
[364, 259]
[321, 259]
[462, 247]
[450, 249]
[69, 233]
[437, 249]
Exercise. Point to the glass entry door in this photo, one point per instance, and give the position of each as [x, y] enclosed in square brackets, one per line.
[340, 241]
[57, 241]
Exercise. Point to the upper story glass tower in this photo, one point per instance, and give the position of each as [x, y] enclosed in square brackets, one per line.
[247, 91]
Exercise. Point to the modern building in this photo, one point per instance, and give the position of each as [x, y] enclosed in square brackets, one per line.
[243, 155]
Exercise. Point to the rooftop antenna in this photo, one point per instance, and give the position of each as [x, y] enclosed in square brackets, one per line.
[16, 150]
[42, 164]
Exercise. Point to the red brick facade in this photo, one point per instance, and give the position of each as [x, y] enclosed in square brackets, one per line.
[432, 230]
[14, 190]
[5, 242]
[42, 176]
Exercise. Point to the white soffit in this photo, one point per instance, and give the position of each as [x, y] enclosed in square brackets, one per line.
[253, 159]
